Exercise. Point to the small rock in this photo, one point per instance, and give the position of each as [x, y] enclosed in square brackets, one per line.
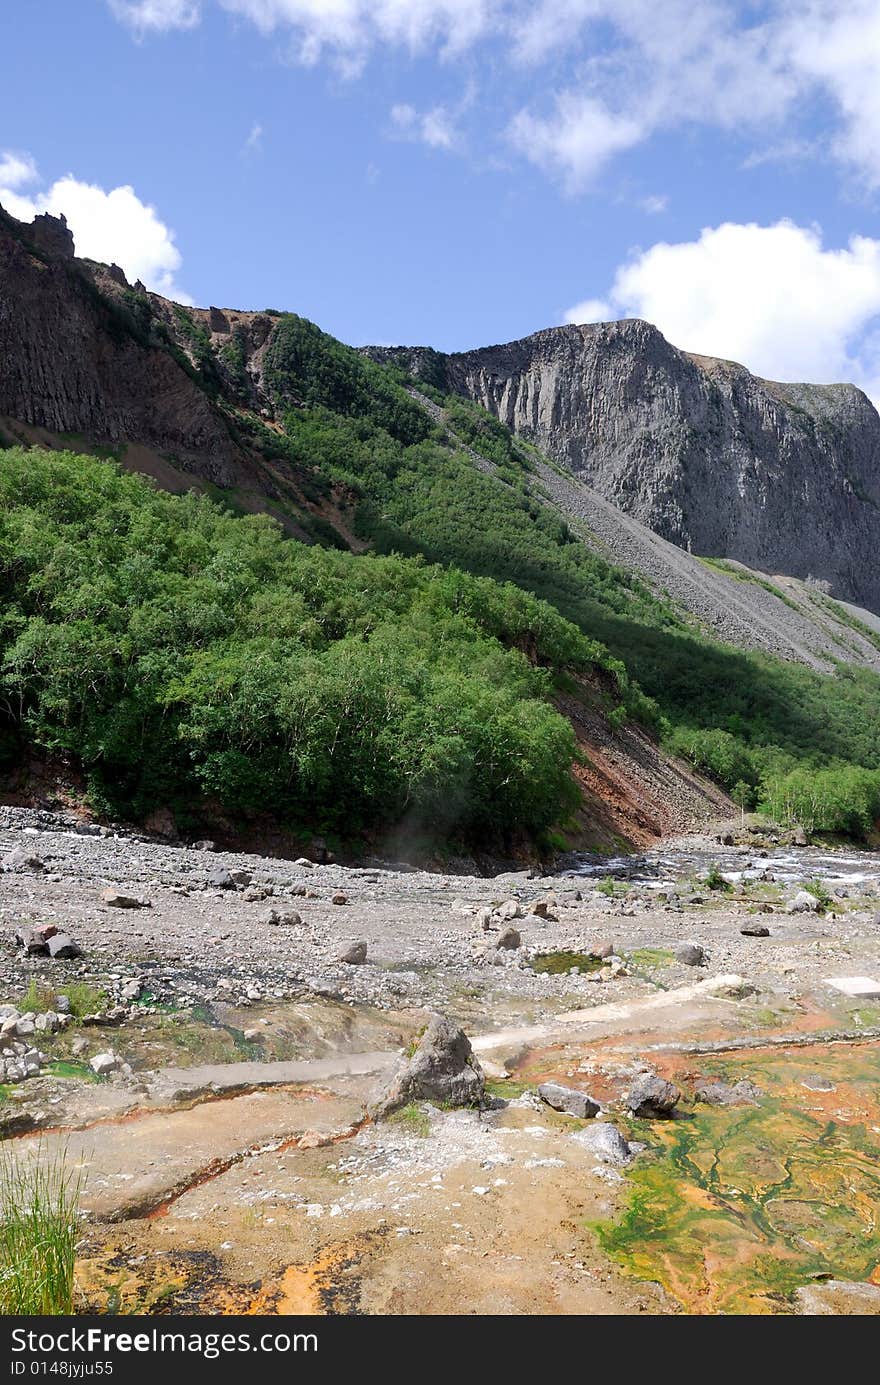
[203, 845]
[355, 955]
[509, 939]
[340, 897]
[543, 909]
[114, 899]
[602, 949]
[690, 955]
[803, 903]
[132, 989]
[651, 1096]
[104, 1063]
[511, 909]
[62, 946]
[221, 879]
[279, 918]
[754, 930]
[254, 894]
[742, 1093]
[569, 1100]
[62, 1004]
[605, 1142]
[304, 863]
[242, 878]
[49, 1023]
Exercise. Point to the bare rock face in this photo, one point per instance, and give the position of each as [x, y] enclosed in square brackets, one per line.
[74, 357]
[781, 477]
[443, 1068]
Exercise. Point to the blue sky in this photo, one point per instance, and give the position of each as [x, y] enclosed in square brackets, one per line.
[460, 172]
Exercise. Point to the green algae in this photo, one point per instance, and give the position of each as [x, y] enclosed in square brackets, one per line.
[558, 963]
[733, 1209]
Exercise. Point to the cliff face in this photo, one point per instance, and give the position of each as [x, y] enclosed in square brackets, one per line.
[783, 478]
[73, 361]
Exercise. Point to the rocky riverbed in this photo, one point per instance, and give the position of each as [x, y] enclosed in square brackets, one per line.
[207, 1048]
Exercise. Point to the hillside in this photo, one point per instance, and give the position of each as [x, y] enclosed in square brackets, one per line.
[661, 668]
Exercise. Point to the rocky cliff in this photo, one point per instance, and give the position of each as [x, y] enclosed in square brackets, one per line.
[784, 478]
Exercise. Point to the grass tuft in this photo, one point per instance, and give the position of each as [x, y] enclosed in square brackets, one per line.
[39, 1219]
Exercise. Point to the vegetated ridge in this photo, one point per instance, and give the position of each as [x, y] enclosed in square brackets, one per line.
[173, 655]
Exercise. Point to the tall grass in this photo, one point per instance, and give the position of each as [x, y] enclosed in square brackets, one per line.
[39, 1221]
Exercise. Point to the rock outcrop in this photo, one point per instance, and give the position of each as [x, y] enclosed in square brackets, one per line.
[784, 478]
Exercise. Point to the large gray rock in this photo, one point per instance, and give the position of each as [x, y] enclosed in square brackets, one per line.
[569, 1100]
[651, 1096]
[442, 1069]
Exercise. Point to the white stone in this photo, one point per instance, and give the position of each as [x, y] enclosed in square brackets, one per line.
[859, 987]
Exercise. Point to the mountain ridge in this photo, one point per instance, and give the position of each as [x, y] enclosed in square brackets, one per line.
[780, 477]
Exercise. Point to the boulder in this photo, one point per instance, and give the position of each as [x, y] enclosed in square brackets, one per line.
[104, 1063]
[605, 1143]
[62, 947]
[508, 938]
[602, 949]
[35, 941]
[742, 1093]
[220, 879]
[242, 878]
[511, 909]
[803, 903]
[569, 1100]
[355, 955]
[442, 1069]
[651, 1096]
[50, 1022]
[20, 859]
[690, 954]
[544, 909]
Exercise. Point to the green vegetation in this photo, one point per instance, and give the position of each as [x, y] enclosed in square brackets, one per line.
[84, 998]
[558, 963]
[714, 880]
[178, 652]
[39, 1201]
[413, 1119]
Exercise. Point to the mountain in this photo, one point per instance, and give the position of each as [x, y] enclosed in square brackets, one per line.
[784, 478]
[215, 671]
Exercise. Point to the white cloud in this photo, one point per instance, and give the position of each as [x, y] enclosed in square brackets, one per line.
[254, 142]
[114, 227]
[654, 204]
[157, 15]
[836, 44]
[16, 170]
[633, 67]
[435, 127]
[771, 297]
[590, 310]
[576, 140]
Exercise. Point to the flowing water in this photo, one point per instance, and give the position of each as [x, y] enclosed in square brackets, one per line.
[663, 867]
